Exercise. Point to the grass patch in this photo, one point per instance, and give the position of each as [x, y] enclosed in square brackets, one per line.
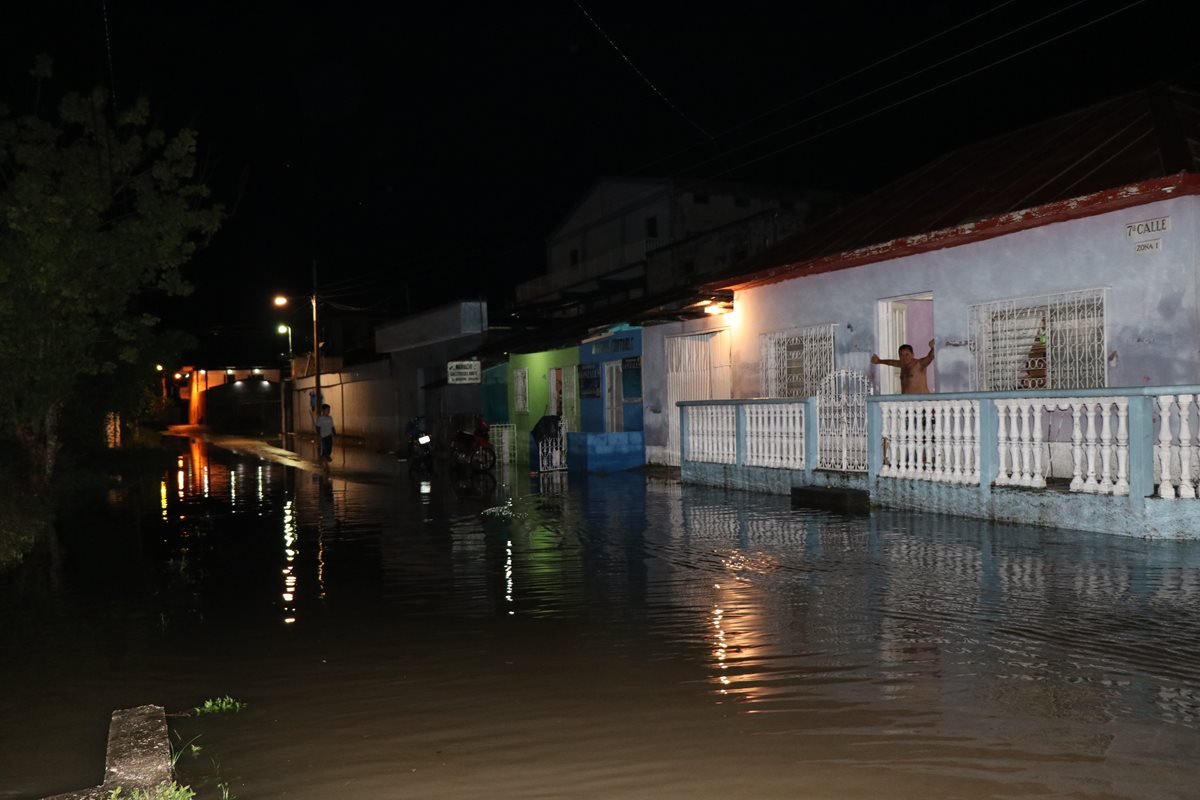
[164, 791]
[220, 705]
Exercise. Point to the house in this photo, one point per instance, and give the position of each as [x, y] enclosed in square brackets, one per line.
[631, 252]
[1058, 269]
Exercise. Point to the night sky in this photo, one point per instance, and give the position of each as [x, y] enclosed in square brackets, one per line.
[422, 152]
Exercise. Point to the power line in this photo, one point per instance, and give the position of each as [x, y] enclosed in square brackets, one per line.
[842, 79]
[942, 85]
[633, 66]
[878, 89]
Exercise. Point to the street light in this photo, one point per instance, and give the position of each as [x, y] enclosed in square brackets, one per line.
[288, 330]
[283, 428]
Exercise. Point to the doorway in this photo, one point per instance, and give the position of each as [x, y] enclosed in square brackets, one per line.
[907, 319]
[614, 406]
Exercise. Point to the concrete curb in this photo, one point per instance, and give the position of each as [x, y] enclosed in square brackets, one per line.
[138, 756]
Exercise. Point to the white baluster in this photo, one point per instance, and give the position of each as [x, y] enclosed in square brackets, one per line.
[1014, 441]
[1076, 447]
[1090, 438]
[1037, 479]
[1186, 488]
[1122, 485]
[897, 447]
[1106, 484]
[1026, 445]
[1002, 443]
[976, 449]
[925, 439]
[939, 441]
[958, 415]
[1165, 489]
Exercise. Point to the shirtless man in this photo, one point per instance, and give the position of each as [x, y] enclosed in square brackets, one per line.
[912, 369]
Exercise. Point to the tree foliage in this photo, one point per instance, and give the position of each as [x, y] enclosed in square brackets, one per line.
[94, 213]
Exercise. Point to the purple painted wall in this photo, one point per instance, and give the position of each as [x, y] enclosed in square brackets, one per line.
[919, 331]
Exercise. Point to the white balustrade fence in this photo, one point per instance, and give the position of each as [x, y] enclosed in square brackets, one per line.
[775, 435]
[772, 433]
[931, 440]
[1176, 449]
[1099, 442]
[711, 434]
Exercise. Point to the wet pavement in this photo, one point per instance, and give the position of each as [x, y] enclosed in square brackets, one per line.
[457, 636]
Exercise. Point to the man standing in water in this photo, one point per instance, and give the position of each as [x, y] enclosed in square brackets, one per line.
[325, 431]
[912, 369]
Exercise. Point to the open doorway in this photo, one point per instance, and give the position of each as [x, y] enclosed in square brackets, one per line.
[904, 320]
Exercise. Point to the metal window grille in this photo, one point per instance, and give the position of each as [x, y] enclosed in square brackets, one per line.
[521, 390]
[796, 361]
[1053, 341]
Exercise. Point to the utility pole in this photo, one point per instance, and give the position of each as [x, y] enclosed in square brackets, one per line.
[316, 338]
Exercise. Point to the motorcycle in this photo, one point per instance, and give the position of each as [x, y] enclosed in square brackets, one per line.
[474, 448]
[420, 445]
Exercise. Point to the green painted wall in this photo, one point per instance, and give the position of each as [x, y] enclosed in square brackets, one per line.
[539, 366]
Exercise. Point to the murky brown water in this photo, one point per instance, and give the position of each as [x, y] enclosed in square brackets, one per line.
[608, 637]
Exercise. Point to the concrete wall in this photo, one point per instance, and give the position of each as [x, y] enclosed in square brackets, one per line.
[1151, 314]
[362, 401]
[605, 452]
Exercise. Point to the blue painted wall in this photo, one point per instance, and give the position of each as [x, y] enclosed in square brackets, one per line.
[623, 345]
[495, 393]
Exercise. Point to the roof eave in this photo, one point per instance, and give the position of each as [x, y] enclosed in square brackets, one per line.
[1127, 196]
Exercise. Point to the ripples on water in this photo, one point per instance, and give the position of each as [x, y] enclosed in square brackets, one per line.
[604, 637]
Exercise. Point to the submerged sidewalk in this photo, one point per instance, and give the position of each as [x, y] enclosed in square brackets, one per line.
[351, 460]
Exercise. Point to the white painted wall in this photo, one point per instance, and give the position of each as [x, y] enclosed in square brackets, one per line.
[1151, 315]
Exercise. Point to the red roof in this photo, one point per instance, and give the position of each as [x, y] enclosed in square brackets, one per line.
[1124, 152]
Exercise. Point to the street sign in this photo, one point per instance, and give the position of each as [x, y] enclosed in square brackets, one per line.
[463, 372]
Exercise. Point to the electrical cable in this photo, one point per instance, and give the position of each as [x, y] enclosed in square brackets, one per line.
[914, 96]
[633, 66]
[878, 89]
[842, 79]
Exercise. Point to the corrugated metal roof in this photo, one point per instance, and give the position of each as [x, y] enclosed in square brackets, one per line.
[1137, 137]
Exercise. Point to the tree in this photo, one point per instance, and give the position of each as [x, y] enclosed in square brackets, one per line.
[94, 214]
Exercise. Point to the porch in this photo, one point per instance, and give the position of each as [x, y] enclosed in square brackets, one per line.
[1114, 460]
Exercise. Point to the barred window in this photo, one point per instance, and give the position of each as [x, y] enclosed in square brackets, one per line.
[794, 361]
[521, 390]
[1053, 341]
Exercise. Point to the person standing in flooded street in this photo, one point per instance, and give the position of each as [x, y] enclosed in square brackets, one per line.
[325, 432]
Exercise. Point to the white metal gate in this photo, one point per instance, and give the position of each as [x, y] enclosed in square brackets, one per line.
[842, 421]
[698, 368]
[552, 451]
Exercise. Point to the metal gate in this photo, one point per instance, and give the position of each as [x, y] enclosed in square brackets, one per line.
[698, 368]
[842, 421]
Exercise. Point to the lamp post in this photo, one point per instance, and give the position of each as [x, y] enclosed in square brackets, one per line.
[283, 426]
[282, 300]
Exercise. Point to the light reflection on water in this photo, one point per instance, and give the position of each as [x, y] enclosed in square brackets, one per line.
[618, 637]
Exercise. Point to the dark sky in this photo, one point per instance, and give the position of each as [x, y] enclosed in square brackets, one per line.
[422, 152]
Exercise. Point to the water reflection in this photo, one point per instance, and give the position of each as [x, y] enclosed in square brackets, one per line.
[513, 628]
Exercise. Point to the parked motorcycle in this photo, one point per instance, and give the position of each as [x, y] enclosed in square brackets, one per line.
[420, 445]
[474, 448]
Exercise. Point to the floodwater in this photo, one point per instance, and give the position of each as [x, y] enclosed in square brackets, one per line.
[607, 637]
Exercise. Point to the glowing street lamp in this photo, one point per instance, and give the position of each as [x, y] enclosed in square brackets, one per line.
[282, 329]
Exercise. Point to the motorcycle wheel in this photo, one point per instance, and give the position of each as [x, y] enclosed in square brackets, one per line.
[483, 458]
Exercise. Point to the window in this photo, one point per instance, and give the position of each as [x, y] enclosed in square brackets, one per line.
[651, 227]
[795, 361]
[521, 390]
[1049, 342]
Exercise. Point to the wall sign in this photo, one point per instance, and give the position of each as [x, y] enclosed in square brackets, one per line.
[1148, 246]
[463, 372]
[1147, 227]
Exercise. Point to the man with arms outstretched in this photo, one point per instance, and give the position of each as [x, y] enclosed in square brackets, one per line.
[912, 369]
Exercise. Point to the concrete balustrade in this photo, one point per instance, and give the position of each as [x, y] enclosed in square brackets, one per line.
[1019, 456]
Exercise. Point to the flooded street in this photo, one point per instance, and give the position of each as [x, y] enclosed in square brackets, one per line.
[598, 637]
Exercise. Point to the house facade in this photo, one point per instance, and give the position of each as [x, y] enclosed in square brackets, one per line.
[1057, 269]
